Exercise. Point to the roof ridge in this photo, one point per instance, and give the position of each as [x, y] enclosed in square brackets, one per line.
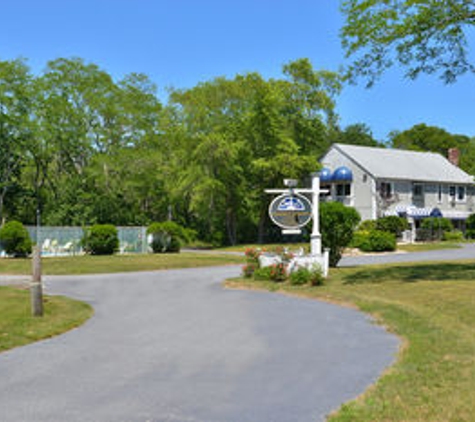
[389, 149]
[404, 164]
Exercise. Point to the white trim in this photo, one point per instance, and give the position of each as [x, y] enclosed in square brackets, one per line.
[456, 215]
[374, 202]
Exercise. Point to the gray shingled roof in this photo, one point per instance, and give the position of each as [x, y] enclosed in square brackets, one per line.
[385, 163]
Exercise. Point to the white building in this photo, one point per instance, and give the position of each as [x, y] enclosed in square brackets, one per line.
[380, 182]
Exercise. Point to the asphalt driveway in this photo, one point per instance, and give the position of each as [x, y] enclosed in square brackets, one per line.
[467, 251]
[176, 346]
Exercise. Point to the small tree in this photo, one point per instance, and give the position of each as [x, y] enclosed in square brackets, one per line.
[337, 224]
[15, 240]
[101, 239]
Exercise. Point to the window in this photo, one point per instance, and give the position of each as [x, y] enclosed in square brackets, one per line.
[460, 193]
[343, 189]
[417, 190]
[386, 190]
[439, 194]
[326, 190]
[452, 193]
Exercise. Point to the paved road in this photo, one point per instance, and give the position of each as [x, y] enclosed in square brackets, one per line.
[467, 251]
[176, 346]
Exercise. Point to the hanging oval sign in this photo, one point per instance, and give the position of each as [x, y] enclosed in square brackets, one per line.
[290, 211]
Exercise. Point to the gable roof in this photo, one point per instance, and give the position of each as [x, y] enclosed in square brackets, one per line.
[385, 163]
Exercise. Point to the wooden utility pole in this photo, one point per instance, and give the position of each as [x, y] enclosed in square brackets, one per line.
[36, 288]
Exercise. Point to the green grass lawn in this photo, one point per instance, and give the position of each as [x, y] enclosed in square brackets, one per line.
[431, 306]
[414, 247]
[18, 327]
[429, 246]
[86, 264]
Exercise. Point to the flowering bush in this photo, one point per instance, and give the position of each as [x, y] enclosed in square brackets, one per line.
[278, 272]
[276, 266]
[252, 254]
[249, 269]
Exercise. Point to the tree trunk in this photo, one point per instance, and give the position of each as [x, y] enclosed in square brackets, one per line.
[261, 226]
[231, 226]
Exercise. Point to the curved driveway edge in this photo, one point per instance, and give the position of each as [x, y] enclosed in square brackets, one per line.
[176, 346]
[467, 251]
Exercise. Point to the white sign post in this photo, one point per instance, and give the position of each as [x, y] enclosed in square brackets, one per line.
[316, 237]
[298, 214]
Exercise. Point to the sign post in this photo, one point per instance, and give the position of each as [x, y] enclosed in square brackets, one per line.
[291, 211]
[36, 288]
[316, 237]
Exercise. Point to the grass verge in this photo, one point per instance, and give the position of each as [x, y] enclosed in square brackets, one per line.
[430, 246]
[18, 327]
[432, 307]
[413, 247]
[87, 264]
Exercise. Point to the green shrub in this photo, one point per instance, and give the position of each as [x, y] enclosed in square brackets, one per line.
[392, 224]
[263, 273]
[470, 225]
[453, 236]
[359, 237]
[367, 225]
[15, 240]
[337, 224]
[378, 241]
[316, 276]
[168, 236]
[437, 224]
[101, 239]
[301, 276]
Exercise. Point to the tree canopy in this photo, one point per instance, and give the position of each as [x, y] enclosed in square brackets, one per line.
[435, 139]
[86, 149]
[423, 36]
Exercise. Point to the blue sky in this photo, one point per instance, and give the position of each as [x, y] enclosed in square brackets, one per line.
[179, 43]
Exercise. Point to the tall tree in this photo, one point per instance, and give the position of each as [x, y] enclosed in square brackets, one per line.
[357, 134]
[435, 139]
[424, 36]
[15, 123]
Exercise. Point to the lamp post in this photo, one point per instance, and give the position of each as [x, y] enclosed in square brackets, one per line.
[36, 289]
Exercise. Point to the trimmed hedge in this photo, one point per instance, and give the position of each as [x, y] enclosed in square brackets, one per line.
[168, 236]
[15, 240]
[392, 224]
[375, 241]
[437, 224]
[101, 239]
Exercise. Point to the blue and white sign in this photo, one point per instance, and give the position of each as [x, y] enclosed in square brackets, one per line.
[290, 211]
